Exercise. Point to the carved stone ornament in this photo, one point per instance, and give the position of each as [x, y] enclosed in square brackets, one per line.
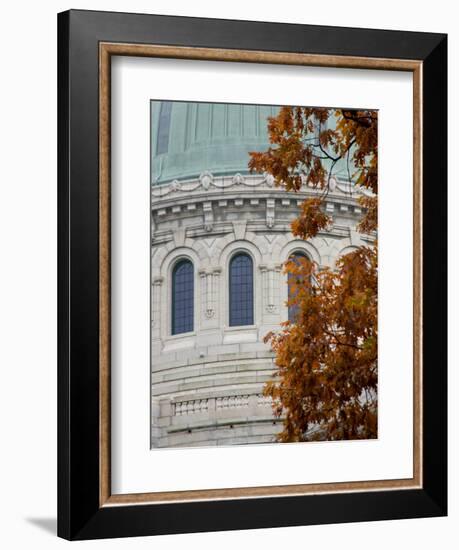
[238, 179]
[175, 186]
[269, 179]
[206, 178]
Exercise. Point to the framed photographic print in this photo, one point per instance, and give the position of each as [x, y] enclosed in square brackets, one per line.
[252, 275]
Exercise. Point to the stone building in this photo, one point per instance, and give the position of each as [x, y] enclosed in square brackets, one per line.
[219, 238]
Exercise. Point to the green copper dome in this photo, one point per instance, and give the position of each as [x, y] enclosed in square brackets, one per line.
[190, 138]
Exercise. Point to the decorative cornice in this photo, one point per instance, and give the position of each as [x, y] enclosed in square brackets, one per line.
[210, 198]
[207, 182]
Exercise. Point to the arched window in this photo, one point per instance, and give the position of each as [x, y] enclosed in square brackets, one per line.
[292, 281]
[182, 297]
[241, 290]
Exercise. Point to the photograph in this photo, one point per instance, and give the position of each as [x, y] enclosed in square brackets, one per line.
[264, 274]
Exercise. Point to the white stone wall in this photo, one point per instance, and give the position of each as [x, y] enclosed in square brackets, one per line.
[207, 385]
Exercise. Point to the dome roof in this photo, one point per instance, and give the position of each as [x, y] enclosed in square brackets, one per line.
[190, 138]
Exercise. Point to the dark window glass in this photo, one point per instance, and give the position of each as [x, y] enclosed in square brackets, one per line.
[294, 309]
[164, 124]
[182, 297]
[241, 290]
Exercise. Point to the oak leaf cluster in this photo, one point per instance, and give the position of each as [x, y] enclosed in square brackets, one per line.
[325, 384]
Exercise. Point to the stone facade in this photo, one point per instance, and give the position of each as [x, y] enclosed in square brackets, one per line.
[207, 384]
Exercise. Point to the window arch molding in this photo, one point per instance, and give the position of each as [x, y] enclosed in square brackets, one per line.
[347, 249]
[305, 247]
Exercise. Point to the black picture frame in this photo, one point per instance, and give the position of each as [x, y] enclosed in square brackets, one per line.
[80, 515]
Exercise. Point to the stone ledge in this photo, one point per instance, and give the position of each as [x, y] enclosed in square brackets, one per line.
[210, 382]
[217, 359]
[216, 369]
[226, 422]
[242, 389]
